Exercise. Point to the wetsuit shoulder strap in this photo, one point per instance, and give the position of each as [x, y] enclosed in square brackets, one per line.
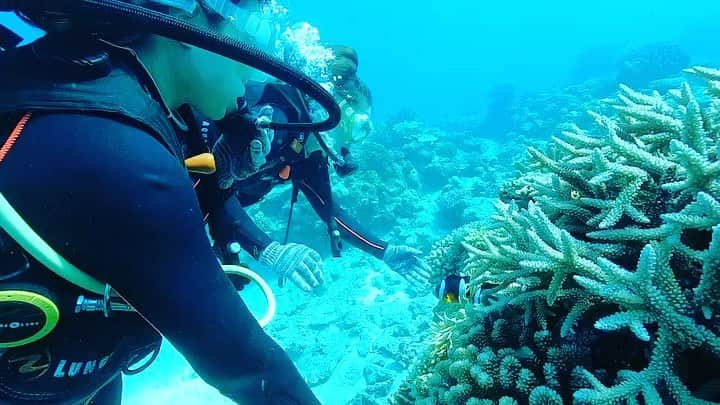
[111, 86]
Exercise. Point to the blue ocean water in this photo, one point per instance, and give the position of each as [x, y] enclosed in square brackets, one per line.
[455, 86]
[439, 58]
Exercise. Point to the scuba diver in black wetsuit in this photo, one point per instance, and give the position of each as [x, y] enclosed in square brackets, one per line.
[93, 186]
[287, 159]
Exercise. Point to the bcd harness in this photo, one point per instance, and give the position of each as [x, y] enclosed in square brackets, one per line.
[114, 84]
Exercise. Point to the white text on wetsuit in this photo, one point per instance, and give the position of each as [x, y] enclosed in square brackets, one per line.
[75, 368]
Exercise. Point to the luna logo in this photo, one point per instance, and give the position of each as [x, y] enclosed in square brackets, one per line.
[71, 369]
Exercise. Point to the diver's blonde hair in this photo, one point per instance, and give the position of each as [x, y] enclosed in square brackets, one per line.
[348, 86]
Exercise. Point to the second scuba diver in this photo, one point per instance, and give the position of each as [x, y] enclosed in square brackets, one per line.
[295, 157]
[93, 160]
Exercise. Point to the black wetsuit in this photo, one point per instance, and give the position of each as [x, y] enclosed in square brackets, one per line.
[111, 197]
[309, 173]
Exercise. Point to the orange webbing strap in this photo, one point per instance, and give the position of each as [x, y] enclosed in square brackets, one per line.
[285, 173]
[14, 135]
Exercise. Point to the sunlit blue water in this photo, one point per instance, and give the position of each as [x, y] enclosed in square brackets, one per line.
[442, 57]
[439, 58]
[442, 60]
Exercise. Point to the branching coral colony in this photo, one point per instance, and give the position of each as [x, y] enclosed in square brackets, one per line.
[600, 282]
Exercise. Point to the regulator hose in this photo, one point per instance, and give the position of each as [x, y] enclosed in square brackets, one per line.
[154, 22]
[15, 226]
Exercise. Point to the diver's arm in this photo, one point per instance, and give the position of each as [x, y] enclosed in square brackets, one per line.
[125, 212]
[313, 179]
[230, 223]
[405, 260]
[350, 229]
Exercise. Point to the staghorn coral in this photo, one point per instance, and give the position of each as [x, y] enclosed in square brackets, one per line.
[447, 255]
[438, 156]
[600, 283]
[452, 204]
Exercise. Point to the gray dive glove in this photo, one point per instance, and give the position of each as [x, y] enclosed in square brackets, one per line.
[297, 262]
[406, 261]
[241, 149]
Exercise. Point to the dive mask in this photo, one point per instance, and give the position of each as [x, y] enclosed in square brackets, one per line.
[362, 128]
[247, 16]
[355, 127]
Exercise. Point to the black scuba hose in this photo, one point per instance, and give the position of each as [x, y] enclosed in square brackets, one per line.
[154, 22]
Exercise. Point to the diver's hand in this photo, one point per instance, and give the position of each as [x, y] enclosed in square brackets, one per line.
[243, 146]
[406, 261]
[297, 262]
[262, 143]
[232, 160]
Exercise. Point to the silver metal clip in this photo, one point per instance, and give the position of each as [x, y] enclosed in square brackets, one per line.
[106, 305]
